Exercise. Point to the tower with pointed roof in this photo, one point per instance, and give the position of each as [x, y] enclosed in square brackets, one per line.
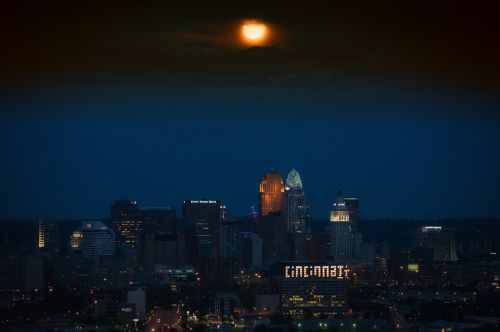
[297, 210]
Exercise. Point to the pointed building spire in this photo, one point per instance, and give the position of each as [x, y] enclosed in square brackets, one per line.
[293, 180]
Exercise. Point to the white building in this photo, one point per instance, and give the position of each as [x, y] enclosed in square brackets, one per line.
[346, 209]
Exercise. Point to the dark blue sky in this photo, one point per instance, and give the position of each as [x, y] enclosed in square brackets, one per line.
[69, 153]
[395, 103]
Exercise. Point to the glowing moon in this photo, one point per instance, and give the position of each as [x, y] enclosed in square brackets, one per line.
[254, 31]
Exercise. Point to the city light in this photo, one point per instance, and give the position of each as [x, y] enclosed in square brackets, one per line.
[316, 271]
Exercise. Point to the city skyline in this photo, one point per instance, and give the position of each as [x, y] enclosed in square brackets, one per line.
[243, 209]
[262, 166]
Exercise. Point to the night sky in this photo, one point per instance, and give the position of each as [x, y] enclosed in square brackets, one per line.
[159, 102]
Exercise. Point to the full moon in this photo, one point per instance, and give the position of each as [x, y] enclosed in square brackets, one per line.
[254, 31]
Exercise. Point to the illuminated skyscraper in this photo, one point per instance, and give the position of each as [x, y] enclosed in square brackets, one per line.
[339, 211]
[41, 234]
[46, 235]
[297, 210]
[271, 194]
[345, 240]
[345, 209]
[352, 205]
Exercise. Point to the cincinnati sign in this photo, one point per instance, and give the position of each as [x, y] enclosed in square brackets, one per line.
[316, 271]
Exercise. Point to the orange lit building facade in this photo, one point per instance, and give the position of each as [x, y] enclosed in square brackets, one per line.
[272, 193]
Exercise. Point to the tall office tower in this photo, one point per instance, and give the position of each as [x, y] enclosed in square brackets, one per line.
[440, 239]
[157, 218]
[352, 205]
[94, 239]
[129, 220]
[271, 194]
[257, 254]
[345, 245]
[41, 234]
[296, 208]
[339, 211]
[299, 246]
[317, 246]
[275, 245]
[125, 223]
[310, 246]
[161, 248]
[202, 221]
[245, 259]
[252, 220]
[345, 241]
[345, 209]
[223, 212]
[46, 235]
[230, 239]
